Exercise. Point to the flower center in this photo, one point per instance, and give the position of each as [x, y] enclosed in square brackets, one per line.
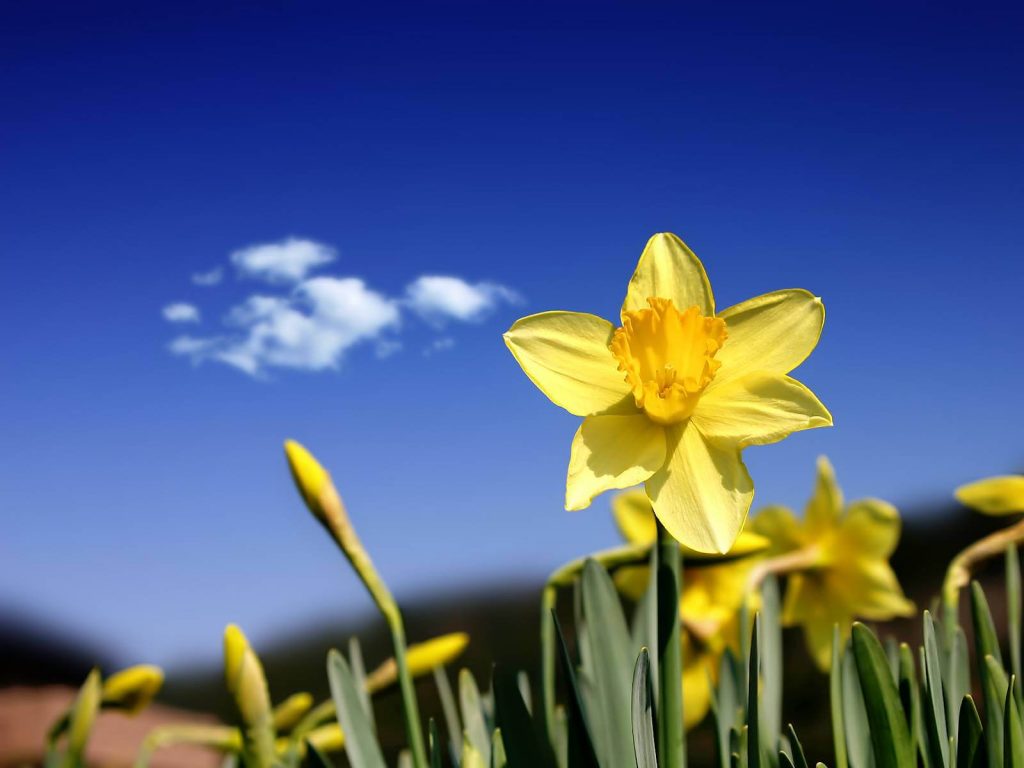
[668, 357]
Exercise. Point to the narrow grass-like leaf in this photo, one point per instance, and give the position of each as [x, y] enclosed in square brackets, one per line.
[360, 743]
[835, 695]
[498, 757]
[724, 706]
[771, 668]
[643, 714]
[523, 745]
[855, 716]
[970, 745]
[799, 758]
[1013, 737]
[935, 721]
[1013, 609]
[958, 681]
[434, 744]
[890, 736]
[994, 685]
[784, 760]
[671, 745]
[452, 722]
[579, 744]
[355, 660]
[476, 731]
[613, 658]
[754, 754]
[910, 697]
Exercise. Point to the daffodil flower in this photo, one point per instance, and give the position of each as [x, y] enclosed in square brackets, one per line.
[995, 496]
[708, 608]
[673, 395]
[132, 689]
[837, 560]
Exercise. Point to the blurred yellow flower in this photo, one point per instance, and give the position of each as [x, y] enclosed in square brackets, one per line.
[1002, 495]
[837, 559]
[708, 608]
[132, 689]
[421, 657]
[672, 396]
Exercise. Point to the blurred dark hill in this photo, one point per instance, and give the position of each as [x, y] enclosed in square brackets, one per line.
[503, 622]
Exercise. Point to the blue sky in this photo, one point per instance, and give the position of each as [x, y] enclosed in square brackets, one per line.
[872, 155]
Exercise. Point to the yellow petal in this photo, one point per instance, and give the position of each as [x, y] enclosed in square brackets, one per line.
[758, 409]
[612, 452]
[774, 332]
[1002, 495]
[779, 526]
[871, 527]
[634, 517]
[566, 355]
[870, 591]
[703, 493]
[132, 689]
[826, 504]
[818, 632]
[669, 270]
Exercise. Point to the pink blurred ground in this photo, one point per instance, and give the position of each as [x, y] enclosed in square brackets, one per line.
[27, 713]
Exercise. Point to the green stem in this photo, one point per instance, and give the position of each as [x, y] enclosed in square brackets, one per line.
[332, 514]
[410, 707]
[671, 749]
[549, 599]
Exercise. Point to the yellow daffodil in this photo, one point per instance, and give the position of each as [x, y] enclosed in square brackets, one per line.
[837, 561]
[132, 689]
[421, 657]
[1003, 495]
[708, 608]
[672, 396]
[247, 684]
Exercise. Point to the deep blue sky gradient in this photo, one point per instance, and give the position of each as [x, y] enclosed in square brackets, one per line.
[868, 153]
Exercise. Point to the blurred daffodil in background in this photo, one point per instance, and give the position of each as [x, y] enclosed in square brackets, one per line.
[671, 396]
[837, 561]
[709, 606]
[997, 497]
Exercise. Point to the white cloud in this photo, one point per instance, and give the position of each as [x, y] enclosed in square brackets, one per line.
[180, 312]
[287, 261]
[310, 323]
[437, 298]
[213, 277]
[311, 329]
[439, 345]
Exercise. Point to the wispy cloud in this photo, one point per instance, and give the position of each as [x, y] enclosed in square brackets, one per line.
[439, 297]
[213, 277]
[311, 322]
[180, 312]
[287, 261]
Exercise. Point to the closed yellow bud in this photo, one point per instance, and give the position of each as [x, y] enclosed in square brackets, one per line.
[1002, 495]
[327, 738]
[83, 716]
[310, 477]
[244, 676]
[291, 710]
[133, 689]
[421, 658]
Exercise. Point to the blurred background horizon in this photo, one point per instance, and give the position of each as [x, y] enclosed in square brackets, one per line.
[229, 226]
